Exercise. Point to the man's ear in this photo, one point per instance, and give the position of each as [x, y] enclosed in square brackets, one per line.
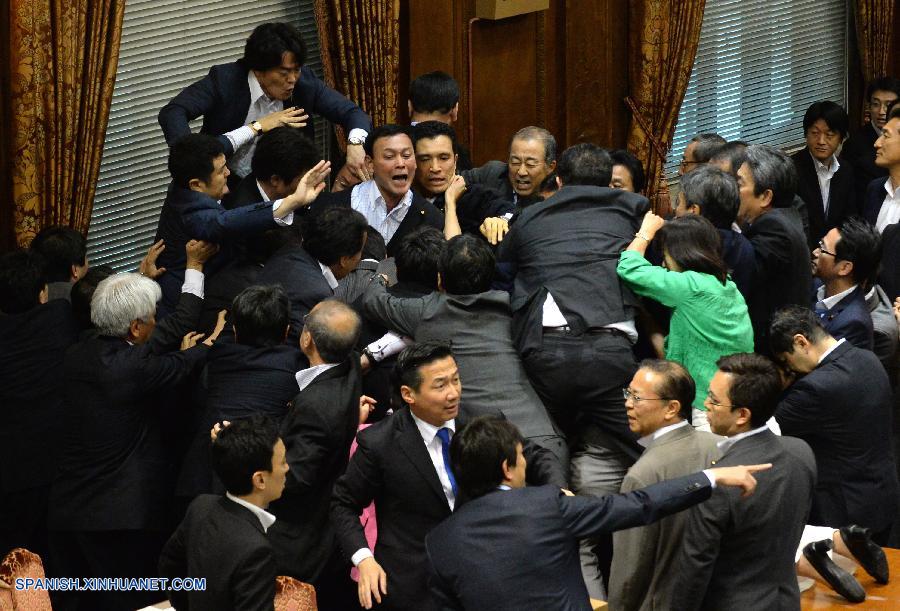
[195, 184]
[799, 340]
[768, 196]
[552, 166]
[558, 182]
[306, 340]
[409, 107]
[370, 165]
[507, 472]
[743, 416]
[44, 295]
[454, 112]
[695, 209]
[259, 481]
[407, 394]
[440, 283]
[845, 268]
[673, 410]
[73, 273]
[134, 328]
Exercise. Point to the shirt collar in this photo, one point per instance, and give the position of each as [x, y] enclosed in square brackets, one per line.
[329, 276]
[890, 188]
[265, 518]
[262, 192]
[256, 90]
[429, 431]
[830, 350]
[305, 377]
[646, 440]
[503, 487]
[370, 191]
[821, 168]
[830, 302]
[726, 443]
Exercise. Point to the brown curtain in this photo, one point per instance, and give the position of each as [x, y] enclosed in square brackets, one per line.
[663, 42]
[360, 46]
[62, 57]
[874, 24]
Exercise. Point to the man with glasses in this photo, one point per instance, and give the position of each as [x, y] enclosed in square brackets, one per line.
[859, 149]
[739, 553]
[842, 408]
[699, 151]
[658, 404]
[846, 261]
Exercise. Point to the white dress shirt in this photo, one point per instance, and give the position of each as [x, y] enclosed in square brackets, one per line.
[890, 208]
[553, 318]
[646, 440]
[329, 275]
[193, 282]
[435, 452]
[726, 443]
[830, 302]
[265, 518]
[825, 174]
[366, 199]
[305, 377]
[287, 219]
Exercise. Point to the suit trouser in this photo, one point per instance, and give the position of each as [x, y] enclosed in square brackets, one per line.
[580, 381]
[23, 521]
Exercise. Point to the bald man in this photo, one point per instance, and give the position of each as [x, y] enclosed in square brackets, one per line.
[317, 432]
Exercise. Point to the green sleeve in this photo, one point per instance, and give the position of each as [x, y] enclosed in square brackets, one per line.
[648, 280]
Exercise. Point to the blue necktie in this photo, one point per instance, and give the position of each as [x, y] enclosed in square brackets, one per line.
[444, 435]
[821, 311]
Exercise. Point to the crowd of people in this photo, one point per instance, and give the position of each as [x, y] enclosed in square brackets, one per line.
[533, 389]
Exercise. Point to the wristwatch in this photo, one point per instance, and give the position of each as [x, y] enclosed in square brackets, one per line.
[356, 140]
[256, 126]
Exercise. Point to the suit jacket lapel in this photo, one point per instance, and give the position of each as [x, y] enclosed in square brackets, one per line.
[410, 441]
[412, 219]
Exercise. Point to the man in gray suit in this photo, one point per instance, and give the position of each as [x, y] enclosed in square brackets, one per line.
[658, 403]
[739, 553]
[478, 321]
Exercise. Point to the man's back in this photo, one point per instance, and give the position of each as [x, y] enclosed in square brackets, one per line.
[644, 557]
[224, 543]
[738, 553]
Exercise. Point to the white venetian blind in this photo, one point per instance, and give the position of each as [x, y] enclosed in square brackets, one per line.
[759, 65]
[166, 45]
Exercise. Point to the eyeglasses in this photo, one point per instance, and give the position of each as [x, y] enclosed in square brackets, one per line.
[823, 251]
[685, 163]
[629, 394]
[712, 401]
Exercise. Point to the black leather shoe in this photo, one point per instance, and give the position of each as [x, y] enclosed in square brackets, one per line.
[866, 552]
[840, 580]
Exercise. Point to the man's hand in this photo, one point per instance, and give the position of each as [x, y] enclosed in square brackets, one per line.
[190, 340]
[308, 189]
[148, 263]
[356, 162]
[897, 310]
[345, 179]
[457, 187]
[372, 582]
[220, 324]
[290, 117]
[740, 476]
[366, 407]
[494, 228]
[217, 428]
[198, 253]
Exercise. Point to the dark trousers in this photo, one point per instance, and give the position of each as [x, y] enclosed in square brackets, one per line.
[114, 553]
[23, 521]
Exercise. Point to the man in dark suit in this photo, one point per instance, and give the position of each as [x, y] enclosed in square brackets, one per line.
[332, 246]
[570, 313]
[882, 202]
[782, 276]
[318, 430]
[434, 96]
[827, 186]
[222, 539]
[387, 200]
[510, 547]
[842, 408]
[109, 498]
[479, 323]
[64, 251]
[34, 336]
[739, 553]
[859, 150]
[846, 261]
[713, 193]
[437, 152]
[192, 209]
[280, 160]
[402, 463]
[267, 88]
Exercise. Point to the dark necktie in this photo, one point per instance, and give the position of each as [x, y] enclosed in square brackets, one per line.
[821, 311]
[444, 435]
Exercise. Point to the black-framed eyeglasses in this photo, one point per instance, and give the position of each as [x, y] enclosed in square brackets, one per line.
[824, 251]
[712, 401]
[629, 394]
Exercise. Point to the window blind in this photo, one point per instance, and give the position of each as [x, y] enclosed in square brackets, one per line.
[759, 65]
[166, 45]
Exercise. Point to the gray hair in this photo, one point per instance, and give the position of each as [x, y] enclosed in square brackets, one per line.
[122, 298]
[334, 327]
[772, 169]
[715, 191]
[707, 146]
[538, 133]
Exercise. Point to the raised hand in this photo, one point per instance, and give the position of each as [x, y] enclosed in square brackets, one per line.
[289, 117]
[148, 263]
[308, 189]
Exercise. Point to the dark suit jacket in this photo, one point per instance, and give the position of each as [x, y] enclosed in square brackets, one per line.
[569, 245]
[518, 549]
[317, 433]
[738, 553]
[859, 152]
[421, 212]
[476, 204]
[300, 276]
[246, 193]
[874, 198]
[225, 543]
[841, 196]
[32, 347]
[494, 175]
[113, 470]
[223, 98]
[391, 466]
[220, 290]
[737, 251]
[843, 410]
[889, 278]
[782, 275]
[850, 319]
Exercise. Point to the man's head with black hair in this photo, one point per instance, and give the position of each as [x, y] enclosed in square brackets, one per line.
[797, 339]
[426, 379]
[436, 157]
[710, 192]
[260, 316]
[23, 281]
[627, 172]
[488, 453]
[730, 157]
[281, 157]
[197, 162]
[700, 150]
[825, 126]
[880, 95]
[742, 394]
[249, 458]
[847, 256]
[419, 255]
[275, 52]
[64, 251]
[434, 96]
[467, 266]
[391, 161]
[766, 180]
[335, 237]
[585, 164]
